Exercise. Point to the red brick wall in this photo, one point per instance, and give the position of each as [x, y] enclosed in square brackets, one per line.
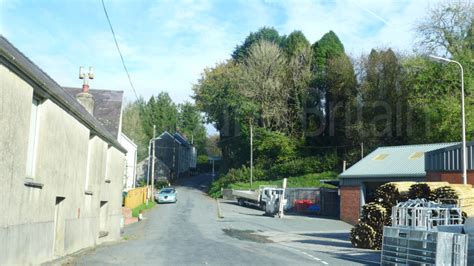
[451, 177]
[350, 204]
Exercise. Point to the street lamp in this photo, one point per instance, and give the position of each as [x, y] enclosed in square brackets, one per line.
[464, 154]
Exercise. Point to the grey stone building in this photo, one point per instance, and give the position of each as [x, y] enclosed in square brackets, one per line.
[61, 170]
[176, 153]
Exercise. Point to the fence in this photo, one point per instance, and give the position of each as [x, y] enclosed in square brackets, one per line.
[321, 201]
[135, 197]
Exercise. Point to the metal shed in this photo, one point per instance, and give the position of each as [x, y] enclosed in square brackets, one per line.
[385, 164]
[449, 158]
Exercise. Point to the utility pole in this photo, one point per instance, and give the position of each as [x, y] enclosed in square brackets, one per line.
[251, 154]
[362, 150]
[153, 165]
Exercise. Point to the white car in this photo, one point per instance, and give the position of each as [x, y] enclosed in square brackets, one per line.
[167, 195]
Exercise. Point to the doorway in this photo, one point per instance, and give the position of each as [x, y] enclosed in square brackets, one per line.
[103, 219]
[59, 225]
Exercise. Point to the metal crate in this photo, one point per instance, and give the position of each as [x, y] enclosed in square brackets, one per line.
[406, 246]
[425, 215]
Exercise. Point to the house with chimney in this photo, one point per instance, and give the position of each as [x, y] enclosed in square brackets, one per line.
[61, 169]
[107, 107]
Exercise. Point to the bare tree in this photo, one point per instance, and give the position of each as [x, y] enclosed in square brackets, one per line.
[263, 73]
[448, 29]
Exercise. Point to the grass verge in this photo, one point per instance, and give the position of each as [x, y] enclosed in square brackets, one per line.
[143, 206]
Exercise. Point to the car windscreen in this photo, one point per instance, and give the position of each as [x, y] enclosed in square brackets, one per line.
[167, 191]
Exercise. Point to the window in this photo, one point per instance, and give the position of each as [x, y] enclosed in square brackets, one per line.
[32, 139]
[416, 155]
[380, 157]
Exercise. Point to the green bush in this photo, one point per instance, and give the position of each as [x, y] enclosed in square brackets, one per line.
[161, 184]
[306, 169]
[233, 176]
[202, 159]
[272, 147]
[302, 166]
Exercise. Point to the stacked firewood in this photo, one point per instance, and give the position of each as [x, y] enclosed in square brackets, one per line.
[368, 233]
[419, 191]
[363, 236]
[376, 214]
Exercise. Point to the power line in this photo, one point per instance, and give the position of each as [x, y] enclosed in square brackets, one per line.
[118, 48]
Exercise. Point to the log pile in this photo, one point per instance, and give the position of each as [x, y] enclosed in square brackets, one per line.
[368, 232]
[419, 191]
[362, 236]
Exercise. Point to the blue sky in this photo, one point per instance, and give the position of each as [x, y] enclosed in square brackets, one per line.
[167, 44]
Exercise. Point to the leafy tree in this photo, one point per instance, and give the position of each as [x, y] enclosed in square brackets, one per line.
[329, 46]
[162, 112]
[294, 44]
[190, 123]
[336, 87]
[384, 99]
[217, 95]
[133, 128]
[212, 146]
[297, 79]
[434, 98]
[266, 33]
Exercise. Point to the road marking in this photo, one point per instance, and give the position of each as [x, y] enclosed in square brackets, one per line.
[309, 255]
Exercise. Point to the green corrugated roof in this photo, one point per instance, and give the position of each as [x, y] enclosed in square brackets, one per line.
[394, 161]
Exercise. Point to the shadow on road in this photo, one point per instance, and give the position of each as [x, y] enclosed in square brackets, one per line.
[198, 182]
[337, 236]
[325, 243]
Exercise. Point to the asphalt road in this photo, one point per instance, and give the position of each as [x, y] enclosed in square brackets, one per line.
[191, 232]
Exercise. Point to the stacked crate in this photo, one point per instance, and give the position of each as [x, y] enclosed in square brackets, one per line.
[424, 233]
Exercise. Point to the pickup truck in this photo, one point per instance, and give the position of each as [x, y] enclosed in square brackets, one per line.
[257, 197]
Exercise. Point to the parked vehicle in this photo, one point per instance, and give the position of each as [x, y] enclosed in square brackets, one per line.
[258, 198]
[167, 195]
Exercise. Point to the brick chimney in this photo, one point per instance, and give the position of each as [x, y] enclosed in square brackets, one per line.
[85, 98]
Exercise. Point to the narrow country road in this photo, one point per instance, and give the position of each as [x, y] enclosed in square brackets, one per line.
[191, 233]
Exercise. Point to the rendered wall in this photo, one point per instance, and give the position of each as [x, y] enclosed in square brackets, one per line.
[38, 229]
